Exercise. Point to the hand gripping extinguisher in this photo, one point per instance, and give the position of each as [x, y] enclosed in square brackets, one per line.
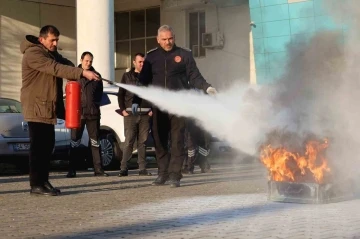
[73, 105]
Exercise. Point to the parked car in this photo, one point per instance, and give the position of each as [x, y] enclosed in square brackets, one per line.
[112, 136]
[220, 148]
[14, 135]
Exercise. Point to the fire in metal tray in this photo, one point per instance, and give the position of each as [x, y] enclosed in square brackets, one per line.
[310, 192]
[303, 177]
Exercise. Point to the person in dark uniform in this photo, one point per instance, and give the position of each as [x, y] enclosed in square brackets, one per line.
[135, 126]
[42, 71]
[198, 148]
[173, 68]
[91, 94]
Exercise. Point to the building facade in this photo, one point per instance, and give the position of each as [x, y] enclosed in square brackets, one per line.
[280, 24]
[232, 40]
[116, 29]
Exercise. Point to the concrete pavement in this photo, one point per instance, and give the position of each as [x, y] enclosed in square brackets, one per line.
[231, 202]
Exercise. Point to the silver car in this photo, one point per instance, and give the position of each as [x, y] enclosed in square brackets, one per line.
[14, 135]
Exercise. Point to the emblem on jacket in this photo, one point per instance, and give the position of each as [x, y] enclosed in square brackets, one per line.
[177, 59]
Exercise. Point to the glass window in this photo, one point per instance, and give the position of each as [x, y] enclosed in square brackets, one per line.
[137, 46]
[10, 106]
[152, 21]
[136, 31]
[122, 54]
[202, 50]
[196, 29]
[151, 43]
[137, 24]
[122, 19]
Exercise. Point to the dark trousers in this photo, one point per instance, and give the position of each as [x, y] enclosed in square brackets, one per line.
[198, 145]
[136, 128]
[164, 124]
[42, 142]
[93, 128]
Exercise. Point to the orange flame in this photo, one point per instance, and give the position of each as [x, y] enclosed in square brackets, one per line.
[284, 165]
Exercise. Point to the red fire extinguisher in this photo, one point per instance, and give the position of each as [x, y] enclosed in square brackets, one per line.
[73, 105]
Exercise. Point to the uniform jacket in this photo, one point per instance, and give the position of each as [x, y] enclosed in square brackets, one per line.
[91, 97]
[173, 70]
[125, 97]
[39, 91]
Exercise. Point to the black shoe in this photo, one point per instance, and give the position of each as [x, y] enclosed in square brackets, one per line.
[101, 174]
[49, 186]
[71, 174]
[123, 173]
[42, 191]
[207, 170]
[174, 183]
[191, 170]
[185, 170]
[160, 180]
[144, 172]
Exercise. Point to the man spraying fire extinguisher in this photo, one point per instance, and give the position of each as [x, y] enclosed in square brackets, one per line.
[91, 93]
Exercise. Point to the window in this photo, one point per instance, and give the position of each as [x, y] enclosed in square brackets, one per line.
[196, 29]
[10, 106]
[135, 32]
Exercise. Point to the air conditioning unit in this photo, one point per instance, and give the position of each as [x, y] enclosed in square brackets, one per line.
[176, 5]
[212, 40]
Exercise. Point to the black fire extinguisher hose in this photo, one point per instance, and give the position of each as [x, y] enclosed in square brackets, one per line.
[109, 81]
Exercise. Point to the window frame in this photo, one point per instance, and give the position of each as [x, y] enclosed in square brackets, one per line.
[10, 104]
[129, 41]
[198, 11]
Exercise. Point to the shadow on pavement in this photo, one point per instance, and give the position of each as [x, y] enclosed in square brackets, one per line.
[144, 182]
[139, 230]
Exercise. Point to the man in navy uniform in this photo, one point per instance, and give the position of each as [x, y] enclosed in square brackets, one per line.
[173, 68]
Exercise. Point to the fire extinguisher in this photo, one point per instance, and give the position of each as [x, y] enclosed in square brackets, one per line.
[73, 105]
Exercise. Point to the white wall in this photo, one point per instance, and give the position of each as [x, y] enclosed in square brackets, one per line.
[20, 18]
[221, 67]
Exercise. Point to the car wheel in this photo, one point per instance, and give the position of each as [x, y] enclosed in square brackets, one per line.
[111, 153]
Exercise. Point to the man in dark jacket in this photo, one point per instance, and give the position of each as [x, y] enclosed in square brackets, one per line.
[91, 94]
[173, 68]
[41, 71]
[136, 126]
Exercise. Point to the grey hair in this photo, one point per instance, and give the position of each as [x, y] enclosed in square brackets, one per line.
[165, 28]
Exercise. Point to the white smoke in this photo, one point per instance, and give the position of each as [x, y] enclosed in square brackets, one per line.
[319, 93]
[239, 115]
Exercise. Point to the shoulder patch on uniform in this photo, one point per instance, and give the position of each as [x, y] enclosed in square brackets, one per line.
[186, 49]
[151, 50]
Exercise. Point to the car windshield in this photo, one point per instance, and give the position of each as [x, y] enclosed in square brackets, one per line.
[10, 106]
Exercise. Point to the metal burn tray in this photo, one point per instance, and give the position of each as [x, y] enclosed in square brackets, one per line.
[315, 193]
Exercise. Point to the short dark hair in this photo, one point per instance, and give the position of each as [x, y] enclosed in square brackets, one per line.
[86, 53]
[45, 30]
[139, 54]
